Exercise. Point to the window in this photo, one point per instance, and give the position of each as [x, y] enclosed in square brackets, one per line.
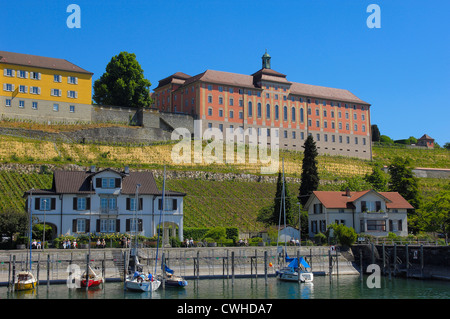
[8, 87]
[268, 111]
[231, 101]
[72, 108]
[241, 115]
[34, 105]
[45, 203]
[56, 107]
[293, 114]
[8, 72]
[209, 87]
[293, 135]
[285, 134]
[81, 225]
[376, 225]
[81, 203]
[8, 102]
[35, 90]
[73, 94]
[107, 225]
[250, 109]
[277, 112]
[108, 182]
[221, 127]
[72, 80]
[21, 104]
[209, 111]
[241, 102]
[35, 75]
[57, 78]
[317, 123]
[230, 90]
[55, 92]
[220, 112]
[23, 89]
[220, 88]
[22, 74]
[318, 208]
[231, 114]
[220, 100]
[259, 110]
[285, 115]
[302, 115]
[209, 98]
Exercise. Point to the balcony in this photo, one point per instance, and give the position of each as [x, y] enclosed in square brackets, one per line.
[374, 215]
[108, 211]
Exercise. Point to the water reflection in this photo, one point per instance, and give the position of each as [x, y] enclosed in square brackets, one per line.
[339, 287]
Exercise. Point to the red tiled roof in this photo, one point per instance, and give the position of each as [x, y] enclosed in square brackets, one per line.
[40, 62]
[331, 199]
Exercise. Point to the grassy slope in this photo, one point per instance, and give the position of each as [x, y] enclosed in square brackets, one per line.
[227, 203]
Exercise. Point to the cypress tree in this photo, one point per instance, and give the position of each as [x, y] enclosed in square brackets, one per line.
[309, 180]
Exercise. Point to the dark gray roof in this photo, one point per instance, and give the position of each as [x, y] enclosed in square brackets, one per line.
[79, 182]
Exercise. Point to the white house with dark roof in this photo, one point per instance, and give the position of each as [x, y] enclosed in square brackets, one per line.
[106, 201]
[370, 212]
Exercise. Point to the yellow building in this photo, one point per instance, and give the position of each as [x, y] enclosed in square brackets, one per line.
[44, 89]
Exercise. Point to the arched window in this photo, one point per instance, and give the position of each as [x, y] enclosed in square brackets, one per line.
[293, 114]
[277, 112]
[259, 110]
[302, 115]
[268, 111]
[250, 109]
[285, 113]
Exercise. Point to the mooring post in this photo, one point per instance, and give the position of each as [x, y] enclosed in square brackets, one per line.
[421, 260]
[87, 271]
[163, 269]
[361, 270]
[330, 263]
[373, 254]
[48, 270]
[265, 266]
[13, 279]
[198, 264]
[38, 267]
[232, 268]
[298, 269]
[407, 260]
[395, 259]
[384, 260]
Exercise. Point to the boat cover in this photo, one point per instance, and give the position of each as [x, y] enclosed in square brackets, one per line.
[293, 262]
[167, 269]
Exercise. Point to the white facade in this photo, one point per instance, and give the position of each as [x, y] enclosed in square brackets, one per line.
[369, 214]
[107, 209]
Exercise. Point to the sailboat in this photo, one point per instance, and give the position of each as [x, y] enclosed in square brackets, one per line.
[25, 280]
[295, 270]
[136, 280]
[90, 278]
[93, 280]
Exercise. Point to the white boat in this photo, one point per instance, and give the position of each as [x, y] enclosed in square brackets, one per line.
[139, 282]
[25, 281]
[296, 270]
[291, 272]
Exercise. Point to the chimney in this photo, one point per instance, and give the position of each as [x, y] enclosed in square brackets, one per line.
[92, 170]
[347, 192]
[127, 170]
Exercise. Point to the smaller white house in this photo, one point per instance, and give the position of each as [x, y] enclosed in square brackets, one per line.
[106, 201]
[370, 212]
[288, 233]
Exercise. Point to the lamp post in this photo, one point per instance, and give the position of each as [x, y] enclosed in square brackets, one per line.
[299, 224]
[45, 209]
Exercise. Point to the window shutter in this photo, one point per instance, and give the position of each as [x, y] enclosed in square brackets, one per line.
[363, 206]
[118, 225]
[39, 90]
[76, 80]
[53, 204]
[26, 89]
[128, 203]
[37, 203]
[4, 86]
[159, 204]
[98, 183]
[13, 72]
[76, 94]
[75, 203]
[141, 204]
[98, 225]
[5, 71]
[88, 225]
[26, 74]
[139, 224]
[74, 225]
[117, 183]
[39, 76]
[378, 205]
[174, 204]
[88, 203]
[127, 225]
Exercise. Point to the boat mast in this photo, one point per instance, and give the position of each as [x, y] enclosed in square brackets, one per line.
[160, 220]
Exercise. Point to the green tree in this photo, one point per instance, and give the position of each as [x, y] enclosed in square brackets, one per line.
[375, 133]
[271, 215]
[13, 222]
[404, 182]
[435, 213]
[123, 83]
[377, 179]
[309, 180]
[346, 236]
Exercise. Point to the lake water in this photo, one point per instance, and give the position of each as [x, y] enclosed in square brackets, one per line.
[340, 287]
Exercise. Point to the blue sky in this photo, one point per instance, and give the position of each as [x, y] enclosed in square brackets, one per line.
[402, 68]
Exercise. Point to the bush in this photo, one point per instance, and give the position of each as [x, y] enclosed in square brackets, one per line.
[346, 236]
[320, 238]
[216, 233]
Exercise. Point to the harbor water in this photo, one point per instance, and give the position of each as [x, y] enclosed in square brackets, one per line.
[339, 287]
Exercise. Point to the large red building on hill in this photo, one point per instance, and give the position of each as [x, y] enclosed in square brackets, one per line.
[338, 120]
